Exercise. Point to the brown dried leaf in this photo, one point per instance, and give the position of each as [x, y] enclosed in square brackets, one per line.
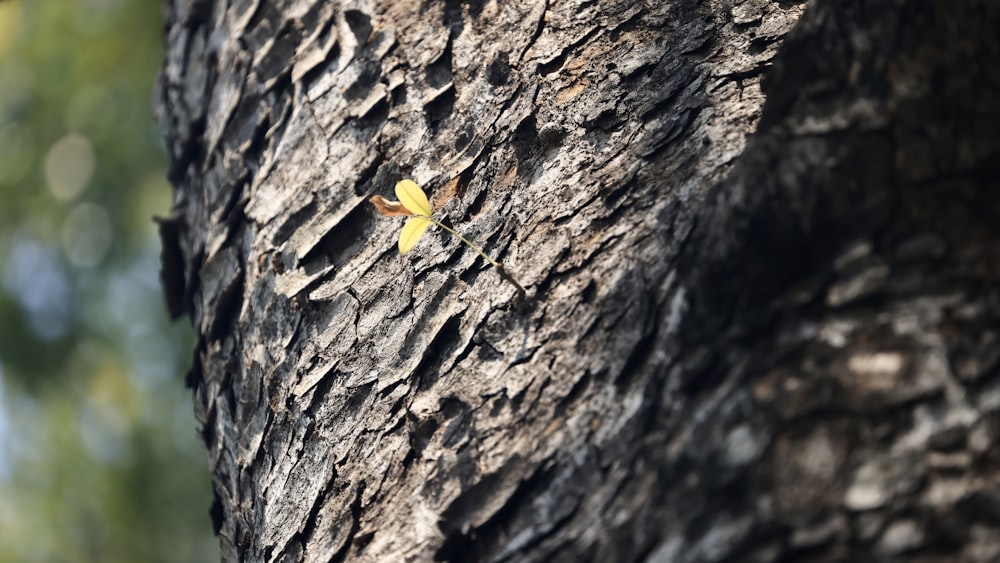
[388, 207]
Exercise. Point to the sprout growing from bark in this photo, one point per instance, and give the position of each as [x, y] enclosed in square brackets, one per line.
[413, 203]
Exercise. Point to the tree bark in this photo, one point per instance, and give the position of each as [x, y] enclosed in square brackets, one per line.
[753, 331]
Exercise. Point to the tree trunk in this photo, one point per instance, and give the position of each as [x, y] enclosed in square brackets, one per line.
[752, 331]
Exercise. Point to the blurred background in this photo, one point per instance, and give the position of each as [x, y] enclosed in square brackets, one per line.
[99, 455]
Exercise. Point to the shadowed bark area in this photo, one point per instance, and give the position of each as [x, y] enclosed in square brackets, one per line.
[753, 331]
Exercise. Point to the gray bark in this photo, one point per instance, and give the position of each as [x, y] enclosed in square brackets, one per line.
[754, 330]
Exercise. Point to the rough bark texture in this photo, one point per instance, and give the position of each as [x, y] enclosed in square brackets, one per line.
[736, 344]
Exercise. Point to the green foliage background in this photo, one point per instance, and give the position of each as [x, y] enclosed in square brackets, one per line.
[99, 457]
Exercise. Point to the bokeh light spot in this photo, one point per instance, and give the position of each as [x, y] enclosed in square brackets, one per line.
[69, 166]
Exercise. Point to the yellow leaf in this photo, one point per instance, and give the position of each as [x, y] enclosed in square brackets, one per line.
[412, 231]
[388, 207]
[413, 198]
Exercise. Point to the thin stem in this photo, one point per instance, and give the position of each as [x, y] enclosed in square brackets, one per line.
[492, 262]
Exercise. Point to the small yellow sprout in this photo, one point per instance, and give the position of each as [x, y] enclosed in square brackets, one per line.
[413, 203]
